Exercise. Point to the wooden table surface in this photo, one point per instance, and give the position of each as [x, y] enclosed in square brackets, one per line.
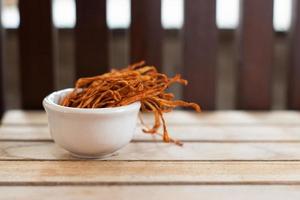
[226, 155]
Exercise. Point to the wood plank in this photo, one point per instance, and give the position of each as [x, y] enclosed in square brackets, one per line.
[294, 70]
[37, 52]
[192, 192]
[91, 38]
[19, 117]
[184, 133]
[146, 32]
[25, 133]
[200, 52]
[255, 43]
[124, 172]
[147, 151]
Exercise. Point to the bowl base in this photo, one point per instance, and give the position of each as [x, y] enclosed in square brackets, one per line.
[101, 156]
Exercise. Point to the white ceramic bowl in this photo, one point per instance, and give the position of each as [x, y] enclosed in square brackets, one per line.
[88, 132]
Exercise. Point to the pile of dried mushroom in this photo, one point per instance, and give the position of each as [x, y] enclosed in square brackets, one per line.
[137, 82]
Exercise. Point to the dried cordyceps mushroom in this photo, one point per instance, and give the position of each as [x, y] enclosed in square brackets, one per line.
[137, 82]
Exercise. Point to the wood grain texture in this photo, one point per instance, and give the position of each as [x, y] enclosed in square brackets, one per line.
[255, 54]
[91, 38]
[192, 133]
[146, 151]
[200, 52]
[146, 32]
[37, 52]
[124, 172]
[243, 156]
[19, 117]
[294, 71]
[191, 192]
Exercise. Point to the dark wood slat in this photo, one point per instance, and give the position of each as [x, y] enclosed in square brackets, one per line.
[294, 71]
[200, 50]
[91, 38]
[2, 106]
[36, 35]
[146, 32]
[255, 54]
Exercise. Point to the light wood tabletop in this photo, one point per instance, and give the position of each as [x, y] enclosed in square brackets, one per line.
[226, 155]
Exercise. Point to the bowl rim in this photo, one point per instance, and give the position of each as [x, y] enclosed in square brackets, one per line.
[48, 103]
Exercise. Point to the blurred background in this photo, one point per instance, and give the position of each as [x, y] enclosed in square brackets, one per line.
[237, 54]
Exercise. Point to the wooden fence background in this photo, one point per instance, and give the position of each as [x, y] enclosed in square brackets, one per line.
[254, 38]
